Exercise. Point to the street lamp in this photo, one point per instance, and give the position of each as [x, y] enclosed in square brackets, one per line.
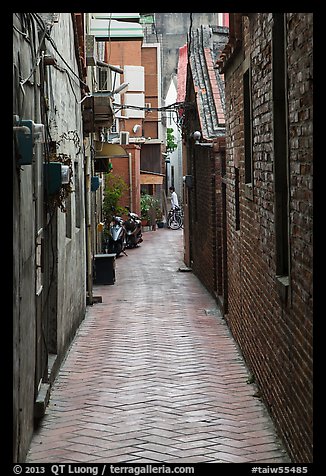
[196, 135]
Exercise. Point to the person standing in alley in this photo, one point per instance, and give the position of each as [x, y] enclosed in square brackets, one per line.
[174, 198]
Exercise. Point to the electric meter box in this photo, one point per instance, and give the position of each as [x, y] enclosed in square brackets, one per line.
[52, 177]
[65, 174]
[95, 183]
[25, 144]
[26, 141]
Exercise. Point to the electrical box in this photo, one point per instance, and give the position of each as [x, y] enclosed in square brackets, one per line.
[26, 140]
[25, 144]
[56, 174]
[52, 177]
[65, 174]
[95, 183]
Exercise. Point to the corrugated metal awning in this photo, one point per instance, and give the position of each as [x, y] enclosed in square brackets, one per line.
[118, 16]
[105, 149]
[105, 30]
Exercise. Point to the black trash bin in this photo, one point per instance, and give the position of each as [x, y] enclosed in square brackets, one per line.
[104, 268]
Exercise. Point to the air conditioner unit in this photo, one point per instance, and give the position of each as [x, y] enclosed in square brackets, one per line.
[124, 138]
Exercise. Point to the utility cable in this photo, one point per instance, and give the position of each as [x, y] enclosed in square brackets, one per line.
[172, 107]
[48, 37]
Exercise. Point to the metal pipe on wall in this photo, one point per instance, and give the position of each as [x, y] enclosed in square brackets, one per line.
[88, 223]
[130, 182]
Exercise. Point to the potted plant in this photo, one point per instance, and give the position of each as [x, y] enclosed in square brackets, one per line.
[159, 216]
[145, 203]
[150, 207]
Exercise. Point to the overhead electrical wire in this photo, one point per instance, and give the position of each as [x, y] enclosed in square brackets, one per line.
[48, 37]
[172, 107]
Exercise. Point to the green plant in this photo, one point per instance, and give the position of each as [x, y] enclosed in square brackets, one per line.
[147, 202]
[170, 144]
[115, 188]
[158, 210]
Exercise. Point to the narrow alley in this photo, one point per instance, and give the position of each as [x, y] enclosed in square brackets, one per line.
[154, 375]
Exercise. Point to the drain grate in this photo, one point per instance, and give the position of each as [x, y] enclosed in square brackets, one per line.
[213, 312]
[185, 269]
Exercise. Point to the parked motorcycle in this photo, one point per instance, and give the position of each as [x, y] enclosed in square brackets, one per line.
[116, 241]
[133, 230]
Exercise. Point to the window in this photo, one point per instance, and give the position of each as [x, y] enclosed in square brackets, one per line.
[77, 195]
[237, 197]
[104, 79]
[68, 216]
[280, 145]
[247, 113]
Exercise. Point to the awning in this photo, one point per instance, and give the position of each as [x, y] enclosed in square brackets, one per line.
[151, 178]
[117, 16]
[104, 149]
[110, 30]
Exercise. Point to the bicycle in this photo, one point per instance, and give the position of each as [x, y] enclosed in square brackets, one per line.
[175, 219]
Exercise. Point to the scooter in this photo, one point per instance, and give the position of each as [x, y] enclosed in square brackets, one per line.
[116, 241]
[133, 230]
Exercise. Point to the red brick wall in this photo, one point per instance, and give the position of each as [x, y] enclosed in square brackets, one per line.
[149, 61]
[131, 53]
[121, 169]
[203, 218]
[124, 53]
[204, 201]
[275, 335]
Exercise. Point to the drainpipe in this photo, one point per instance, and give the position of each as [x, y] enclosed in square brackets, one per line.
[130, 182]
[89, 262]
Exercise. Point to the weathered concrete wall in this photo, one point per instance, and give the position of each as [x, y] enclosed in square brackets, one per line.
[35, 331]
[24, 305]
[172, 30]
[66, 129]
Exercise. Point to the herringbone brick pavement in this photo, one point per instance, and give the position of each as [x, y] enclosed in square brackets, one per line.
[154, 375]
